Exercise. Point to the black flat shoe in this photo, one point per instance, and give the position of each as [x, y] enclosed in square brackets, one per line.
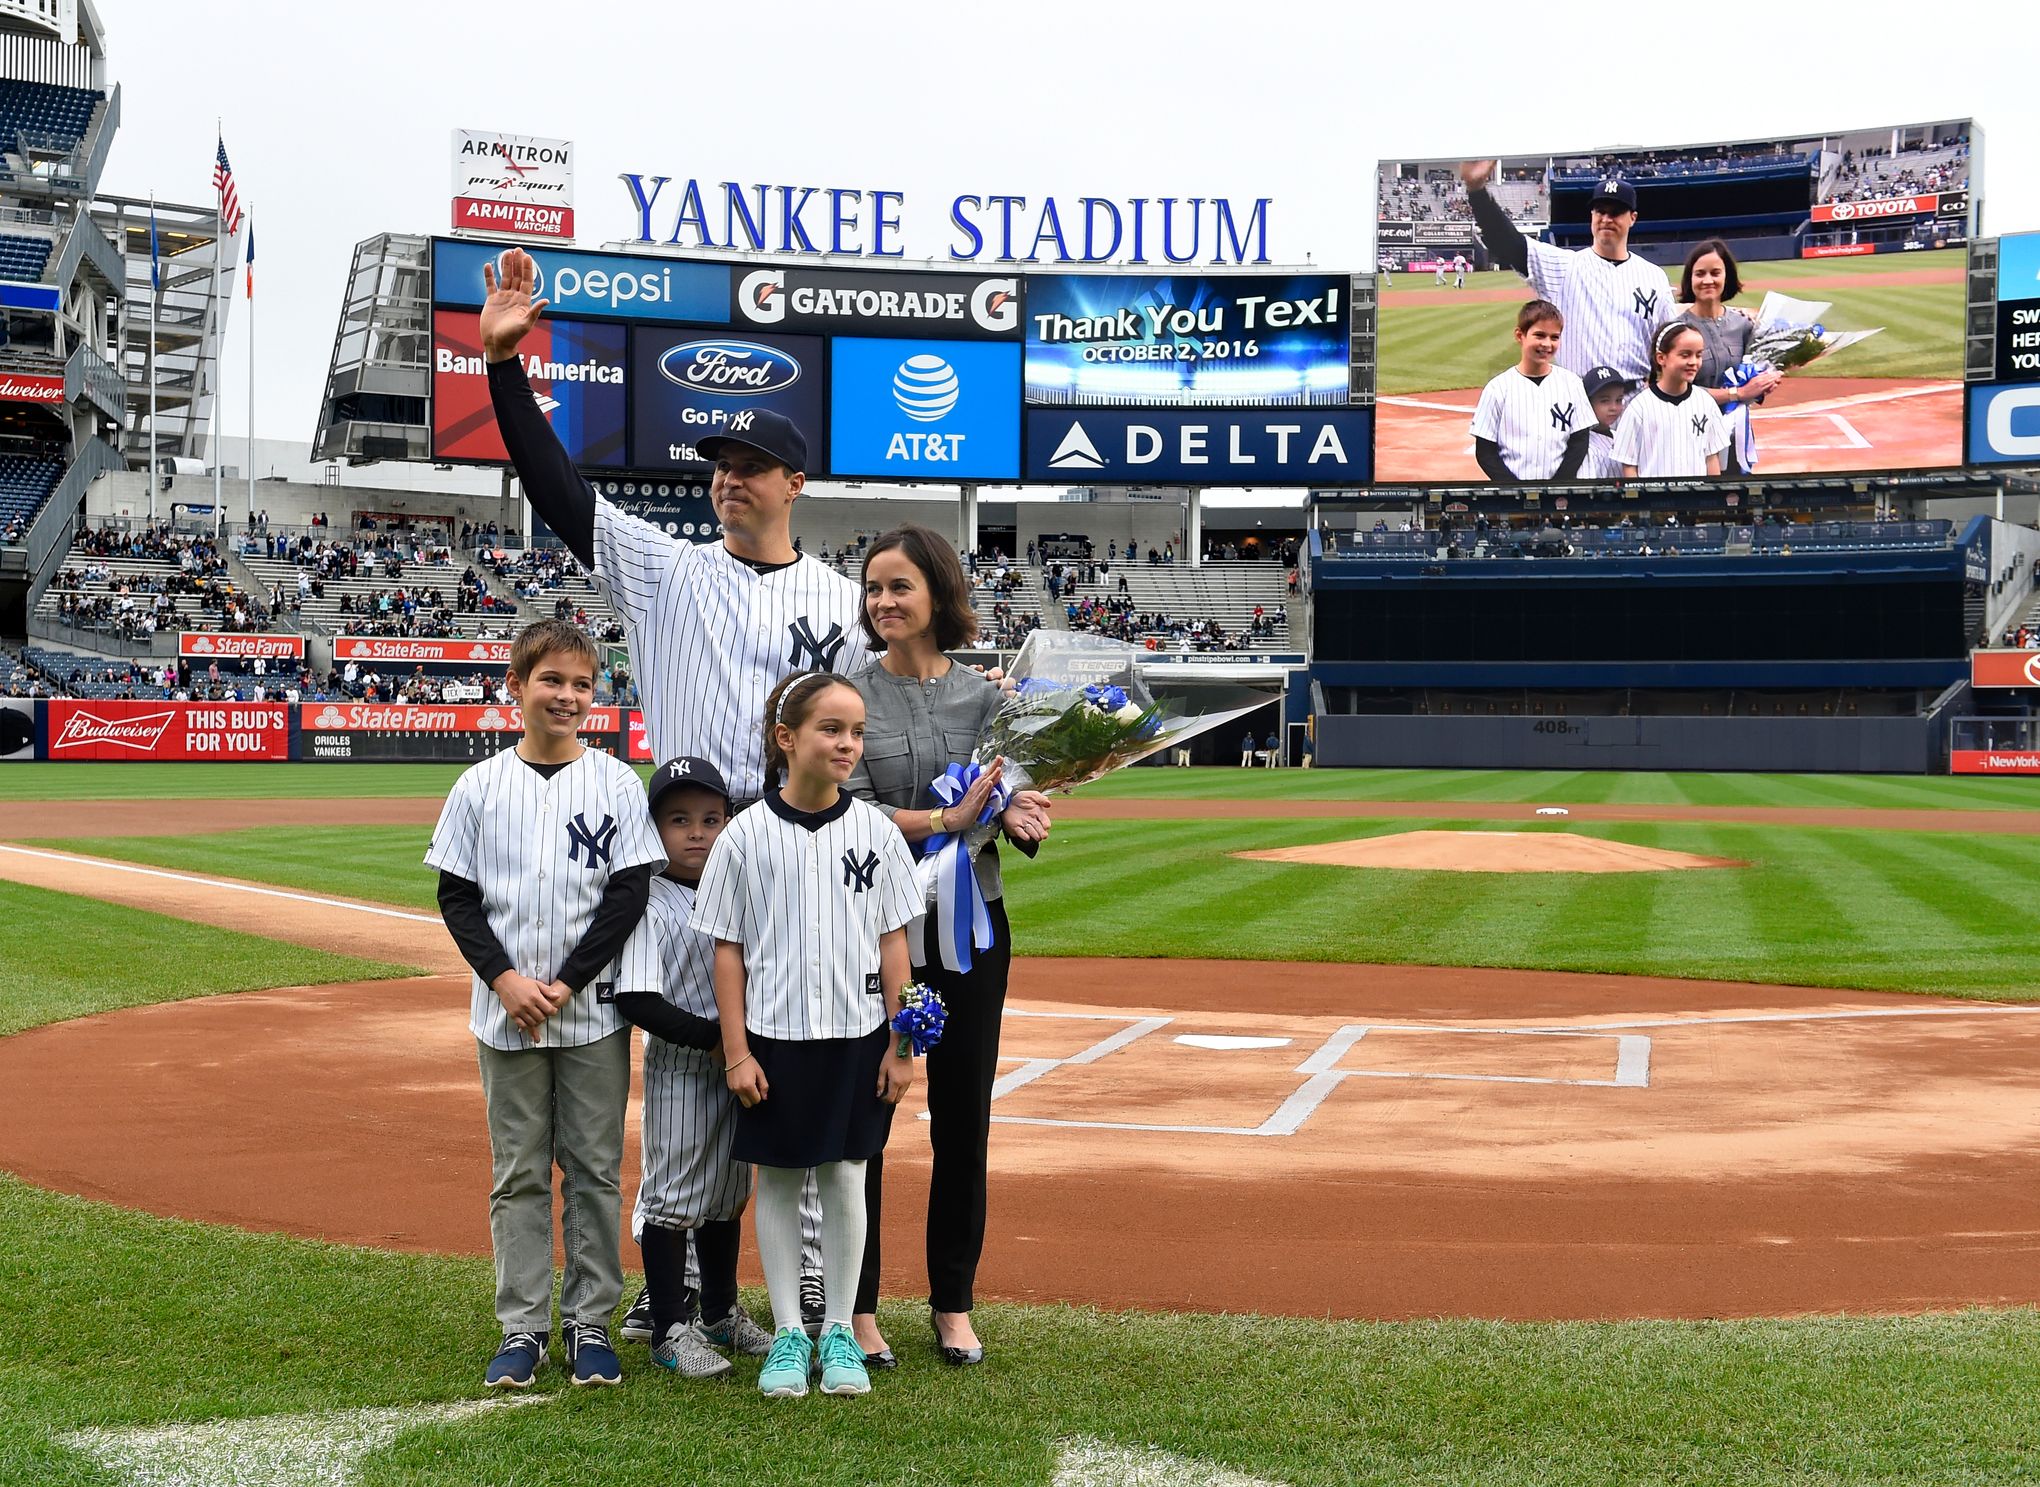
[883, 1358]
[955, 1357]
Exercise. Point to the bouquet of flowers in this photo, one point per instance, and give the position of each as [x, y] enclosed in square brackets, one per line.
[920, 1020]
[1789, 335]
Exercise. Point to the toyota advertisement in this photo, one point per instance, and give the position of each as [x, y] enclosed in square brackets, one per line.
[576, 370]
[687, 384]
[936, 410]
[1114, 340]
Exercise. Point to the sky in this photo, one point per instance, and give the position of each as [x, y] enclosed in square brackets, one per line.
[338, 119]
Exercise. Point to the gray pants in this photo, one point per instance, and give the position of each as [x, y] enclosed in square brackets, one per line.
[564, 1105]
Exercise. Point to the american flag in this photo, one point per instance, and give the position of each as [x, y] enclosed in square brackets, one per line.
[230, 199]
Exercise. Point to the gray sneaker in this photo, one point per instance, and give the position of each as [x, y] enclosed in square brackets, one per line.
[739, 1334]
[686, 1354]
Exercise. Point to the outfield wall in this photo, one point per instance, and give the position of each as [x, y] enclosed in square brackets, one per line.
[1771, 745]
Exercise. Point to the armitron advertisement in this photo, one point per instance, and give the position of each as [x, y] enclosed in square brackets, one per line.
[513, 183]
[576, 372]
[1166, 341]
[213, 645]
[113, 730]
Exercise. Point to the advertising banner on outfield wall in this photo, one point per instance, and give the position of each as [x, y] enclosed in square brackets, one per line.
[391, 651]
[513, 183]
[2004, 669]
[17, 730]
[609, 285]
[1993, 761]
[213, 645]
[425, 717]
[577, 374]
[106, 730]
[638, 745]
[1160, 340]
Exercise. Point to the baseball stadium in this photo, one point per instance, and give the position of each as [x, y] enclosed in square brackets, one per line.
[1569, 1018]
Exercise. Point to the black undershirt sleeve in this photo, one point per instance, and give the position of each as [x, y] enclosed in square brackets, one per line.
[1505, 241]
[1575, 457]
[558, 492]
[460, 905]
[660, 1018]
[623, 905]
[1489, 454]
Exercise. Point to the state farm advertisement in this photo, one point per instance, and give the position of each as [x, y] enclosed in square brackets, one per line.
[1993, 761]
[205, 645]
[2004, 668]
[428, 717]
[168, 730]
[391, 651]
[638, 747]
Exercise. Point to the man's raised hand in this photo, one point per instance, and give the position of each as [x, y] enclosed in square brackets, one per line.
[509, 312]
[1474, 174]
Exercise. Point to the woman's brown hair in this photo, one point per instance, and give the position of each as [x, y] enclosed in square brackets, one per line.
[951, 618]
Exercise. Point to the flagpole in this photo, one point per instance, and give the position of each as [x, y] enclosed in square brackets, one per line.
[219, 439]
[250, 225]
[155, 298]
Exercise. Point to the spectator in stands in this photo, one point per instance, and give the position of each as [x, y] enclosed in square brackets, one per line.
[1710, 281]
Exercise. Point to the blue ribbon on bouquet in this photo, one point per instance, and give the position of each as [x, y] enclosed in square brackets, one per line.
[963, 921]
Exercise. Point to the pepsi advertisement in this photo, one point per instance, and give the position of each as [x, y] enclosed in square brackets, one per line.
[593, 284]
[939, 410]
[688, 383]
[576, 372]
[1122, 340]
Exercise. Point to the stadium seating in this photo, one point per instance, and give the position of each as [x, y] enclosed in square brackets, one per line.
[84, 676]
[25, 483]
[23, 259]
[51, 117]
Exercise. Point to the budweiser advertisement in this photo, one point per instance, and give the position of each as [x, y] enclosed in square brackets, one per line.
[1993, 761]
[113, 730]
[421, 717]
[20, 387]
[206, 645]
[2004, 668]
[391, 650]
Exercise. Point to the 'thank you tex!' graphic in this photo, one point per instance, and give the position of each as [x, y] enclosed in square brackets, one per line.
[1249, 341]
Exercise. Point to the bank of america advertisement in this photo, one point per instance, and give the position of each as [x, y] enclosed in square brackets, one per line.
[941, 410]
[1125, 340]
[577, 374]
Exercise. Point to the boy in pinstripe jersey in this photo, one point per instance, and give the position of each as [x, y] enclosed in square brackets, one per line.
[1532, 420]
[545, 855]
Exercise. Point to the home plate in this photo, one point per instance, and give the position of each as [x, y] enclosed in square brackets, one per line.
[1491, 852]
[1229, 1040]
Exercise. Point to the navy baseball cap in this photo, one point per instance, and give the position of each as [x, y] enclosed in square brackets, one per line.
[1613, 195]
[761, 428]
[1601, 378]
[685, 770]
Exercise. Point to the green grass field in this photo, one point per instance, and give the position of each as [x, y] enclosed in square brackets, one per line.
[113, 1320]
[1434, 339]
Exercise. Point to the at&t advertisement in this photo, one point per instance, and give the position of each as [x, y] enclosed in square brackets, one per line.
[945, 410]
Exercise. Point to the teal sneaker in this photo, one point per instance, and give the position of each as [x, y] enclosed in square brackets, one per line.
[785, 1373]
[842, 1362]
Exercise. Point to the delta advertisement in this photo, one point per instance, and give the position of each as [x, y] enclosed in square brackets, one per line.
[1828, 268]
[1210, 446]
[1122, 340]
[577, 373]
[687, 384]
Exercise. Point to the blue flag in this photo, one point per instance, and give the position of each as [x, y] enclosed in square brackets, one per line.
[155, 253]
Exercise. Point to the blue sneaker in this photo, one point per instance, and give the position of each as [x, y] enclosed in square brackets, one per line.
[842, 1358]
[593, 1360]
[517, 1361]
[785, 1373]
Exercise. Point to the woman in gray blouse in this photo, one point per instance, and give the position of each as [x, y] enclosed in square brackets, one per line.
[1711, 280]
[924, 712]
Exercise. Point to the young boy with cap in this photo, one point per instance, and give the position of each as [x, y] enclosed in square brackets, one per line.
[1607, 391]
[665, 985]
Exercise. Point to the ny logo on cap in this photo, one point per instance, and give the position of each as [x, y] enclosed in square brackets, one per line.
[858, 876]
[810, 654]
[1561, 418]
[740, 423]
[1611, 186]
[598, 841]
[680, 767]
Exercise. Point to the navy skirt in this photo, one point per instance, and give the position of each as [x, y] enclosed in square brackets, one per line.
[823, 1104]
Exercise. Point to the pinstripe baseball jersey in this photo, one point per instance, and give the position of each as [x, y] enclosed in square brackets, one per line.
[807, 896]
[543, 850]
[1667, 437]
[1611, 309]
[690, 1116]
[1600, 463]
[711, 637]
[1532, 420]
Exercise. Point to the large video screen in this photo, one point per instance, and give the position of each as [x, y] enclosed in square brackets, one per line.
[1821, 281]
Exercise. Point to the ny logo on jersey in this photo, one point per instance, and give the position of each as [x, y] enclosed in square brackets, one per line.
[1646, 304]
[859, 876]
[598, 841]
[810, 654]
[1699, 425]
[1561, 418]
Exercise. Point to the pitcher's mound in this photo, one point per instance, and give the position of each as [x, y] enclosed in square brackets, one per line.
[1493, 852]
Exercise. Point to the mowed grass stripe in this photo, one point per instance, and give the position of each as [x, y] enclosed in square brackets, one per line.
[62, 956]
[382, 864]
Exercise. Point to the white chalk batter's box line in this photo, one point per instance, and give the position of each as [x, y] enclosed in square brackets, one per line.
[1320, 1068]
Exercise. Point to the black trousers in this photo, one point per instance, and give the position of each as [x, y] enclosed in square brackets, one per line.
[960, 1071]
